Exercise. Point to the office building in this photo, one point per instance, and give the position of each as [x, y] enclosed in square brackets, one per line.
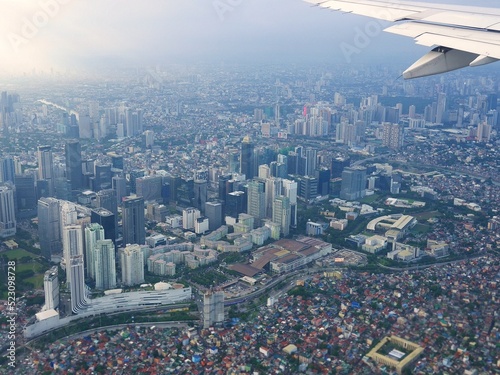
[49, 227]
[393, 136]
[353, 183]
[104, 265]
[102, 177]
[51, 288]
[7, 170]
[189, 217]
[290, 191]
[213, 308]
[282, 214]
[7, 211]
[26, 194]
[119, 185]
[133, 220]
[236, 203]
[73, 249]
[45, 168]
[213, 211]
[149, 187]
[247, 158]
[132, 265]
[256, 202]
[200, 195]
[93, 232]
[73, 155]
[308, 188]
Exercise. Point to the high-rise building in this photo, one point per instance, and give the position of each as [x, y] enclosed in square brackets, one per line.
[73, 249]
[236, 203]
[73, 155]
[107, 220]
[273, 189]
[7, 210]
[393, 135]
[338, 165]
[311, 161]
[119, 184]
[7, 170]
[290, 191]
[49, 227]
[189, 217]
[46, 168]
[132, 265]
[25, 193]
[247, 158]
[353, 183]
[200, 195]
[264, 171]
[256, 205]
[104, 265]
[483, 133]
[102, 177]
[213, 211]
[213, 308]
[223, 188]
[441, 108]
[133, 220]
[51, 288]
[93, 233]
[308, 188]
[282, 214]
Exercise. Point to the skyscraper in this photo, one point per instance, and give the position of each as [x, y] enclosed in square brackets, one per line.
[73, 248]
[107, 220]
[25, 193]
[104, 265]
[93, 233]
[51, 288]
[189, 217]
[7, 211]
[73, 155]
[393, 135]
[213, 308]
[247, 158]
[119, 184]
[353, 183]
[132, 265]
[290, 191]
[45, 168]
[200, 195]
[7, 170]
[214, 213]
[49, 227]
[256, 200]
[282, 214]
[133, 220]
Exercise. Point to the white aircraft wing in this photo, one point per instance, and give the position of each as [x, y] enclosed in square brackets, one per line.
[461, 36]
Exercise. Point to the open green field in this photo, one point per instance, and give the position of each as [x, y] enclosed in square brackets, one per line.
[18, 254]
[427, 215]
[421, 229]
[36, 280]
[370, 199]
[34, 266]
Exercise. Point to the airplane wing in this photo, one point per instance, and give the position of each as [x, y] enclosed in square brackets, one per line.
[461, 36]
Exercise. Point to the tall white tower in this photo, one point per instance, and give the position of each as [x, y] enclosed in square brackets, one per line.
[73, 250]
[93, 233]
[132, 264]
[105, 268]
[7, 211]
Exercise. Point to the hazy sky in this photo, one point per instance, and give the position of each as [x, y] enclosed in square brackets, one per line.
[79, 33]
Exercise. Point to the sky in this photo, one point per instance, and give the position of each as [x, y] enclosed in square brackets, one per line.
[66, 34]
